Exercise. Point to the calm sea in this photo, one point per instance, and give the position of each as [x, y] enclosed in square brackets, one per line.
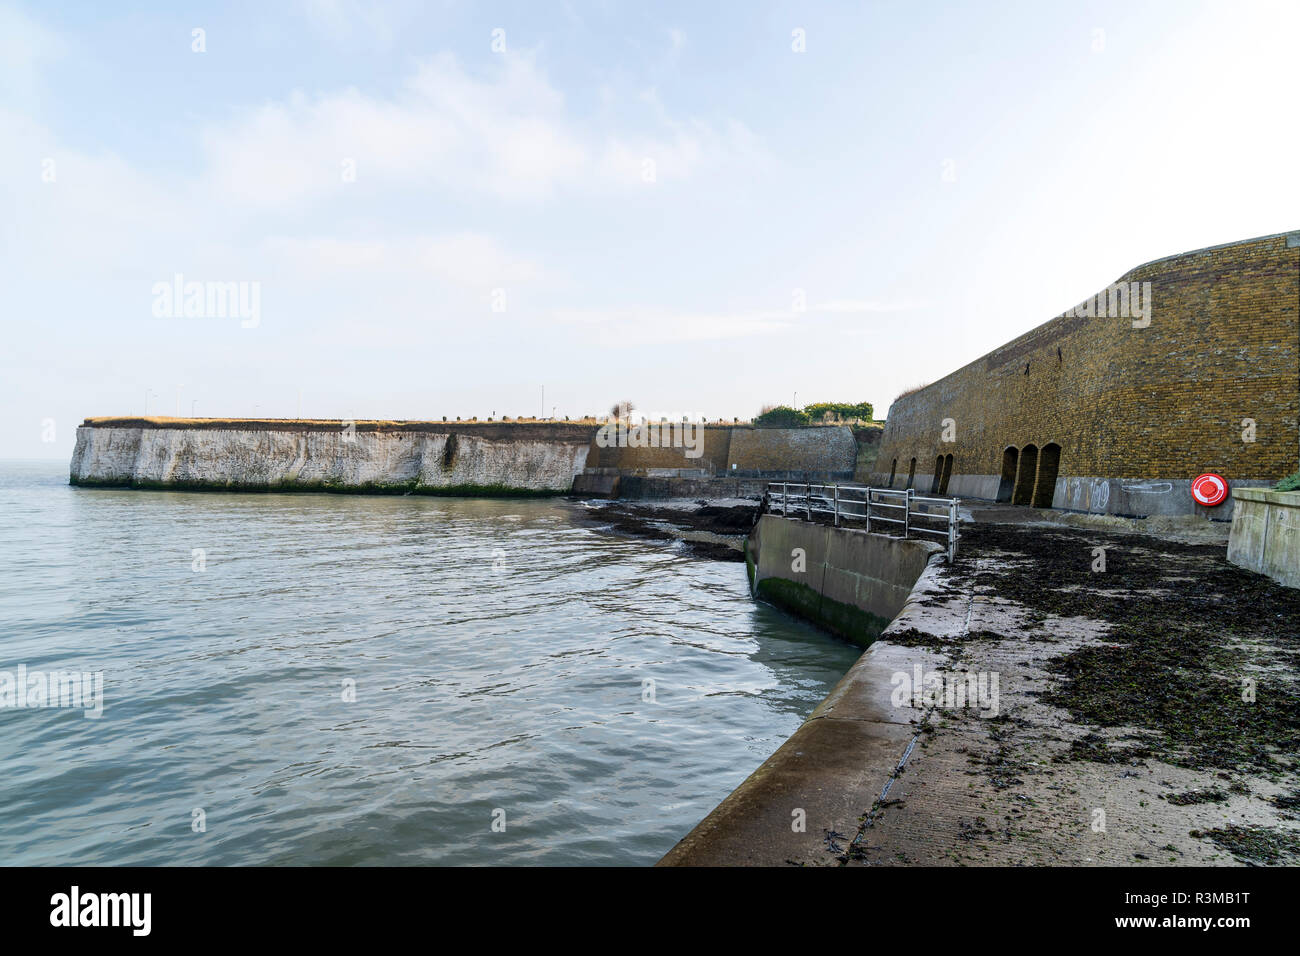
[328, 679]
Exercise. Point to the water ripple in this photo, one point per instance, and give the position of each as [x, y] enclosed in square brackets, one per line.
[369, 680]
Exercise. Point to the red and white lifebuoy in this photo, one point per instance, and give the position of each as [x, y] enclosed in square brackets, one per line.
[1210, 489]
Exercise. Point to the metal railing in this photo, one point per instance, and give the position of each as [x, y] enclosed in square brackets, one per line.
[901, 513]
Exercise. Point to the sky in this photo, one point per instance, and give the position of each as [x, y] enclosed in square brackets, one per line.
[537, 208]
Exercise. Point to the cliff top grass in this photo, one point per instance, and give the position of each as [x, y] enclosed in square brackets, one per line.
[333, 424]
[371, 424]
[168, 421]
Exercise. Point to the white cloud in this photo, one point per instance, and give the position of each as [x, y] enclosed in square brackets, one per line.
[677, 42]
[25, 46]
[642, 326]
[84, 215]
[504, 136]
[346, 21]
[507, 135]
[471, 261]
[869, 306]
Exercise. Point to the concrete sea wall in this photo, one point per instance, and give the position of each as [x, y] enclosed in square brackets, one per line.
[850, 582]
[833, 766]
[1265, 533]
[394, 457]
[854, 584]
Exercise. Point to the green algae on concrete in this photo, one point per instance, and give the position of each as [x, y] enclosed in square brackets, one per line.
[844, 580]
[844, 620]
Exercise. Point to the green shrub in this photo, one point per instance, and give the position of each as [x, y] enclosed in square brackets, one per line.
[839, 411]
[781, 416]
[1290, 483]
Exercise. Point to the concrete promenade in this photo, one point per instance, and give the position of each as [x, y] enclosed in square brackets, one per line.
[1139, 706]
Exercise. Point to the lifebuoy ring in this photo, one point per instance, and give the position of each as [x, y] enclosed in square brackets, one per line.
[1210, 489]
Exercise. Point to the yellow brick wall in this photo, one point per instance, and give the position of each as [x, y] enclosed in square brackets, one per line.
[1165, 401]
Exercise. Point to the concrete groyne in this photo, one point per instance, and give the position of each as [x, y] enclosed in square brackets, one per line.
[847, 581]
[477, 458]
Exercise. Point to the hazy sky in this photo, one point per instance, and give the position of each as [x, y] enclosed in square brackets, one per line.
[665, 202]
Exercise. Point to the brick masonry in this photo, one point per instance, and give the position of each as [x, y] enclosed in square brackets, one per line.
[754, 452]
[1136, 412]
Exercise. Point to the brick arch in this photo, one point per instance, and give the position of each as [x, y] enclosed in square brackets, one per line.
[1049, 464]
[1010, 459]
[1026, 475]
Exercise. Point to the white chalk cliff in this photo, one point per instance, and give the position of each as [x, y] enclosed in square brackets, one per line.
[324, 459]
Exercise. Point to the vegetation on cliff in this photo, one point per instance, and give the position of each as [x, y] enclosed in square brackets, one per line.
[783, 416]
[839, 411]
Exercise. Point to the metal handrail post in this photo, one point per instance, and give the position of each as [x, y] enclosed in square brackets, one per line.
[836, 489]
[953, 531]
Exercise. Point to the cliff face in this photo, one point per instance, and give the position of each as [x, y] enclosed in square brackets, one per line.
[269, 455]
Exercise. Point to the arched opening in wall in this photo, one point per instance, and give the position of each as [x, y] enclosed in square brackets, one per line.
[1028, 471]
[938, 475]
[1049, 462]
[1009, 461]
[893, 470]
[947, 474]
[911, 474]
